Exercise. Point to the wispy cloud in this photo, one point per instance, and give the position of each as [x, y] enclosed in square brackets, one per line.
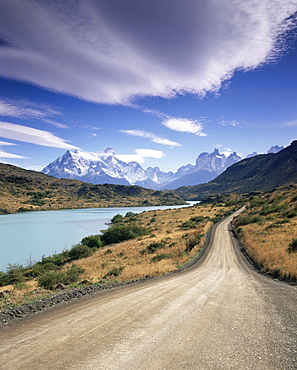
[141, 155]
[292, 123]
[32, 135]
[28, 110]
[4, 154]
[10, 155]
[154, 138]
[114, 51]
[184, 125]
[226, 122]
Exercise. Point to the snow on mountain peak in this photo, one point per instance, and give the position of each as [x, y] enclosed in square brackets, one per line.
[108, 149]
[105, 167]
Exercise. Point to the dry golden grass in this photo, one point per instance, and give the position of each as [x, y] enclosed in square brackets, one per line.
[268, 239]
[127, 256]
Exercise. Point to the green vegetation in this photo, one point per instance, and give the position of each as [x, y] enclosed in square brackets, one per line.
[119, 232]
[191, 223]
[52, 279]
[293, 246]
[160, 257]
[153, 247]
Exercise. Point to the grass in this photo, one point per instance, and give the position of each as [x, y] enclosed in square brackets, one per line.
[166, 249]
[177, 236]
[267, 233]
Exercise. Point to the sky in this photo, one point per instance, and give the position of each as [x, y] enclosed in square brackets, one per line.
[159, 81]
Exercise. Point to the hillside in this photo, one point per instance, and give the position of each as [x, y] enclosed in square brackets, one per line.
[260, 173]
[25, 190]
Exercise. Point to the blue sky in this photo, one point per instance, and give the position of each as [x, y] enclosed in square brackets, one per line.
[159, 81]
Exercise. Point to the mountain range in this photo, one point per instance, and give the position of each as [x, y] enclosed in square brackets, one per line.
[258, 173]
[25, 190]
[105, 167]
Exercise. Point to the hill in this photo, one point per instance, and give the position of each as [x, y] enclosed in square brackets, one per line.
[25, 190]
[260, 173]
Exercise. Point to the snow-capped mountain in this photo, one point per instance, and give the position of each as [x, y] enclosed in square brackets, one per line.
[96, 168]
[207, 167]
[105, 167]
[274, 149]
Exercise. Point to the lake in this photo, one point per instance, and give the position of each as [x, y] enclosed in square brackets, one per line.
[30, 235]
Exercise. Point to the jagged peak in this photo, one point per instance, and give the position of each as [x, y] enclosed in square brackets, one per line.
[108, 149]
[275, 149]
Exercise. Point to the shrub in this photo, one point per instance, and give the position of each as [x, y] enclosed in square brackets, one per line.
[293, 246]
[80, 251]
[15, 274]
[191, 223]
[118, 233]
[58, 259]
[153, 247]
[160, 257]
[92, 241]
[130, 214]
[241, 220]
[115, 271]
[192, 241]
[51, 279]
[40, 269]
[117, 218]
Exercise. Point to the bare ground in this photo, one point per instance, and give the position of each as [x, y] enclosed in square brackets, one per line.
[219, 314]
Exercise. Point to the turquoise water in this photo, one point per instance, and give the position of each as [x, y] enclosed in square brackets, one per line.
[31, 235]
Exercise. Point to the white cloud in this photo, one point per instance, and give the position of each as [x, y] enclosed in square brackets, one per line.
[28, 110]
[113, 51]
[154, 138]
[184, 125]
[225, 122]
[4, 154]
[10, 155]
[32, 135]
[292, 123]
[140, 155]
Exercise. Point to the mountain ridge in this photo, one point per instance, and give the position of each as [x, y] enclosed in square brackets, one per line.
[259, 173]
[105, 167]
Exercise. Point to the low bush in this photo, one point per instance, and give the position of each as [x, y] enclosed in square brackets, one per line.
[40, 269]
[92, 241]
[191, 223]
[153, 247]
[117, 218]
[160, 257]
[246, 220]
[115, 271]
[293, 246]
[14, 274]
[191, 241]
[80, 251]
[51, 279]
[58, 259]
[119, 233]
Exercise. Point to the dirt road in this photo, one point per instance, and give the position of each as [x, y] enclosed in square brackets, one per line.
[217, 315]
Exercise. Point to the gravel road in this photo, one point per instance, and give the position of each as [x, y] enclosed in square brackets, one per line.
[219, 314]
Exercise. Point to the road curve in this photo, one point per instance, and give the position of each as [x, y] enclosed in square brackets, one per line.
[217, 315]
